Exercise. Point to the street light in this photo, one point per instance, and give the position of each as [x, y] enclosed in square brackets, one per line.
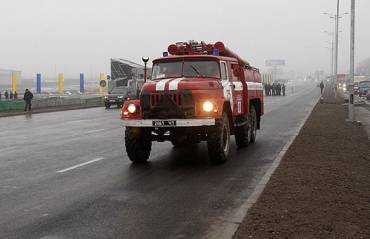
[145, 60]
[351, 110]
[336, 17]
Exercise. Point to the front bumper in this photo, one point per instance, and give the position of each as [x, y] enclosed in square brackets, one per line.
[178, 123]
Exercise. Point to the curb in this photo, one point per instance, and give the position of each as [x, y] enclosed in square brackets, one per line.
[229, 227]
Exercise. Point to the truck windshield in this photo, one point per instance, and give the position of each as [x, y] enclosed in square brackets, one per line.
[190, 68]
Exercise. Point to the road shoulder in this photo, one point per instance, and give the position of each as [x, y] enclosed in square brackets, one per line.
[321, 187]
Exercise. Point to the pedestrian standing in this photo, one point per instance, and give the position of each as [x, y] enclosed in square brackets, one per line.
[15, 95]
[0, 94]
[279, 88]
[11, 95]
[283, 89]
[265, 86]
[6, 95]
[322, 86]
[28, 96]
[270, 90]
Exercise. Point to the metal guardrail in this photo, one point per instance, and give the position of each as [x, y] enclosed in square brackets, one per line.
[51, 102]
[14, 105]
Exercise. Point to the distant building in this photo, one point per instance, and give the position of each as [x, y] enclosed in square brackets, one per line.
[363, 68]
[124, 70]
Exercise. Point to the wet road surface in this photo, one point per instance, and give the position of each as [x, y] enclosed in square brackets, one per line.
[66, 175]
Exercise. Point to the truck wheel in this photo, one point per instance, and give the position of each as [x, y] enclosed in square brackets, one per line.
[107, 105]
[241, 136]
[218, 141]
[247, 133]
[252, 132]
[138, 144]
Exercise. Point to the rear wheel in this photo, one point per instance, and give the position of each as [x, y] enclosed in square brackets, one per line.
[241, 136]
[138, 144]
[252, 122]
[247, 133]
[218, 141]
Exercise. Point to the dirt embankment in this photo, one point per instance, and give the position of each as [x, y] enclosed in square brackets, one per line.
[322, 187]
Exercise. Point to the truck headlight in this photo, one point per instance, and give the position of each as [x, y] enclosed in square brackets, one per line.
[208, 106]
[131, 108]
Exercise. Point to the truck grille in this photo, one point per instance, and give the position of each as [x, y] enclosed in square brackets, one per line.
[156, 98]
[167, 105]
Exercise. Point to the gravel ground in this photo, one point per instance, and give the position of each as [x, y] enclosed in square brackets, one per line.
[322, 187]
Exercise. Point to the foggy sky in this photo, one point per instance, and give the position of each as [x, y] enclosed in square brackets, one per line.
[74, 36]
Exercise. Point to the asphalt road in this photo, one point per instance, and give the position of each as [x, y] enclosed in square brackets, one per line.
[66, 175]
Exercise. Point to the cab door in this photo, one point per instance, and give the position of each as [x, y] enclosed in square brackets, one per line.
[227, 84]
[237, 89]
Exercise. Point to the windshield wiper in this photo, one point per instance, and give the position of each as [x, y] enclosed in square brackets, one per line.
[196, 70]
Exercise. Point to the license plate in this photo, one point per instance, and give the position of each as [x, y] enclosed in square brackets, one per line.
[112, 101]
[164, 123]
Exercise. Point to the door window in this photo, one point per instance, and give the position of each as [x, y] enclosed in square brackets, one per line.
[223, 71]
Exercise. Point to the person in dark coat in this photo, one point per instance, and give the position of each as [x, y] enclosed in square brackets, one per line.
[6, 95]
[15, 95]
[322, 86]
[11, 95]
[283, 89]
[28, 96]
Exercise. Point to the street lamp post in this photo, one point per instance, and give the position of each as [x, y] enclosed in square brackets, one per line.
[336, 42]
[331, 34]
[351, 111]
[145, 60]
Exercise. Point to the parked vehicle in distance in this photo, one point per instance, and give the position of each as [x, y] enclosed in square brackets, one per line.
[364, 88]
[118, 95]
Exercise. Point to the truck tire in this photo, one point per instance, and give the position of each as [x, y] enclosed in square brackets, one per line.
[246, 134]
[218, 141]
[138, 144]
[241, 136]
[252, 132]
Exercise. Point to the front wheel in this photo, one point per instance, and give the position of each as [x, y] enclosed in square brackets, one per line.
[138, 144]
[218, 141]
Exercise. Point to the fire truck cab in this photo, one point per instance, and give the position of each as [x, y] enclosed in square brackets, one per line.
[197, 92]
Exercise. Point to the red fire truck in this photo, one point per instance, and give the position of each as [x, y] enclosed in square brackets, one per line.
[197, 92]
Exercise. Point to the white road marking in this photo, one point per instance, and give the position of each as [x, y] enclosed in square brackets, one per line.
[79, 165]
[7, 149]
[94, 131]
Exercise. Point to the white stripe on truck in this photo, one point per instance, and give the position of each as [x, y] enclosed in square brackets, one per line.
[174, 85]
[254, 86]
[161, 84]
